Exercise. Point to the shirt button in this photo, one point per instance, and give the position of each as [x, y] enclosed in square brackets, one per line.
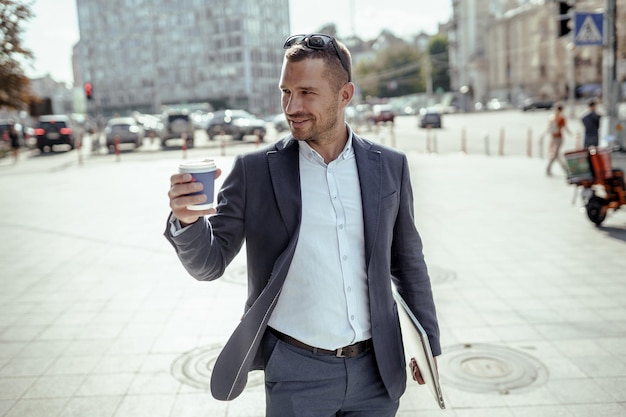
[351, 317]
[349, 289]
[341, 226]
[345, 257]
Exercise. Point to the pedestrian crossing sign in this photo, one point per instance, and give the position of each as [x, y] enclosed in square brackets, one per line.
[588, 28]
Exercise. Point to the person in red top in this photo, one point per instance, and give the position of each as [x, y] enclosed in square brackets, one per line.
[556, 126]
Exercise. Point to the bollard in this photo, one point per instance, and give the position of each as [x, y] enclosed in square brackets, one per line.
[116, 146]
[487, 145]
[529, 143]
[184, 147]
[579, 142]
[257, 134]
[501, 142]
[223, 147]
[435, 148]
[464, 141]
[428, 139]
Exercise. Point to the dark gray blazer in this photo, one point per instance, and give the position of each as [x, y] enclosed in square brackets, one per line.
[260, 203]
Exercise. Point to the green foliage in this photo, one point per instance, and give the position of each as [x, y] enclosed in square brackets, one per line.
[440, 65]
[395, 71]
[14, 85]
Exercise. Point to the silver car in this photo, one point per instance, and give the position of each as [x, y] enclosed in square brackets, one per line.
[124, 129]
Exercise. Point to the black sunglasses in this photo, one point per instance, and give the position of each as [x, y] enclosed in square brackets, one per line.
[318, 41]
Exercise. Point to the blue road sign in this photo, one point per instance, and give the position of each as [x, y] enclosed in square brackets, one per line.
[588, 28]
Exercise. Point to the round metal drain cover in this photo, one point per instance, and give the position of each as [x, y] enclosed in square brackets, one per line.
[490, 368]
[194, 368]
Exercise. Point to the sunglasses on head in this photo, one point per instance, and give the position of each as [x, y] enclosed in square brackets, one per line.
[318, 41]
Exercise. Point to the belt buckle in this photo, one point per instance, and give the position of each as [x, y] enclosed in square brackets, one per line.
[339, 353]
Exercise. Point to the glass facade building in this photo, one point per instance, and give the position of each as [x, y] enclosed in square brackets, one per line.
[145, 54]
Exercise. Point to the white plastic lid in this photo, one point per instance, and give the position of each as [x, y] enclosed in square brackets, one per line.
[197, 166]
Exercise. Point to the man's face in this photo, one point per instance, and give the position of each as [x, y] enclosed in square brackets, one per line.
[310, 103]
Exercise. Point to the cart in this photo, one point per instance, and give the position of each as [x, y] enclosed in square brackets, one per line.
[602, 186]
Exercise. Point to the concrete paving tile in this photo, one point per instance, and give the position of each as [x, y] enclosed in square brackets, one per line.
[154, 383]
[91, 406]
[199, 405]
[73, 365]
[579, 391]
[586, 410]
[20, 333]
[87, 347]
[112, 364]
[542, 411]
[55, 386]
[145, 406]
[484, 412]
[600, 366]
[616, 386]
[26, 366]
[5, 405]
[137, 345]
[37, 407]
[12, 388]
[105, 385]
[560, 368]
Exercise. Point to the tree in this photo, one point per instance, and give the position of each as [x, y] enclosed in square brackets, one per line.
[438, 50]
[14, 84]
[395, 71]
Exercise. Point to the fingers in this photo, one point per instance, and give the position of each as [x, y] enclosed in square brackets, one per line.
[415, 373]
[181, 185]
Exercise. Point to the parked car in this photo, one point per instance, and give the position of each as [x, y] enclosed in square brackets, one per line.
[54, 129]
[382, 113]
[127, 129]
[533, 103]
[236, 123]
[280, 122]
[430, 118]
[175, 125]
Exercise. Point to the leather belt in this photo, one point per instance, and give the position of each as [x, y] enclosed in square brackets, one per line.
[343, 352]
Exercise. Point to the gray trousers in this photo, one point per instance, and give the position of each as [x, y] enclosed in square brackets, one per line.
[299, 383]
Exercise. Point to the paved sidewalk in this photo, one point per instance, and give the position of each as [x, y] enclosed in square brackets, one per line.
[98, 318]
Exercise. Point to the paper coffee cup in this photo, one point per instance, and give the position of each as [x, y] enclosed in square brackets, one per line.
[204, 172]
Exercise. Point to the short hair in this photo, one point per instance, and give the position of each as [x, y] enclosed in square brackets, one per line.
[335, 70]
[592, 102]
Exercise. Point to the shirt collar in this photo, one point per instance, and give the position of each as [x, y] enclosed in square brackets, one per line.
[311, 154]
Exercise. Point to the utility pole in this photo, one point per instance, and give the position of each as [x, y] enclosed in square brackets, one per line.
[610, 88]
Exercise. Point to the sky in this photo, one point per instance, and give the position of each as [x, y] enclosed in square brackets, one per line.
[53, 31]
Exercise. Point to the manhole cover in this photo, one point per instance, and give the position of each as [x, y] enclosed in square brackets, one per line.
[194, 368]
[440, 275]
[490, 368]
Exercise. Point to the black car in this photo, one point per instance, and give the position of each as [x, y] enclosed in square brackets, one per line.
[537, 103]
[236, 123]
[431, 118]
[175, 125]
[55, 129]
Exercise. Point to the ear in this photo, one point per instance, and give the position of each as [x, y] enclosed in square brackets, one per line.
[347, 93]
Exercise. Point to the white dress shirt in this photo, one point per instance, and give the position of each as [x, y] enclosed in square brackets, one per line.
[324, 301]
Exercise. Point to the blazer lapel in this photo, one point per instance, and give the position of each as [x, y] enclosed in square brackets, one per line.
[369, 166]
[285, 176]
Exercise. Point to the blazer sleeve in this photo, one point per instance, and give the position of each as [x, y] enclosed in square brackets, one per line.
[206, 247]
[408, 266]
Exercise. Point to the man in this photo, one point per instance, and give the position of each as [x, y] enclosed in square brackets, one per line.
[327, 218]
[591, 121]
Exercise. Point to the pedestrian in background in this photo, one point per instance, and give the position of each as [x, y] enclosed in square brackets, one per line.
[557, 124]
[328, 222]
[591, 121]
[15, 140]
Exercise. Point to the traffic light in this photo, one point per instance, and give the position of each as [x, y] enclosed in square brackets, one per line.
[565, 18]
[88, 90]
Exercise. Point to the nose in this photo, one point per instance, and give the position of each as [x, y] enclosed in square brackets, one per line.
[291, 104]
